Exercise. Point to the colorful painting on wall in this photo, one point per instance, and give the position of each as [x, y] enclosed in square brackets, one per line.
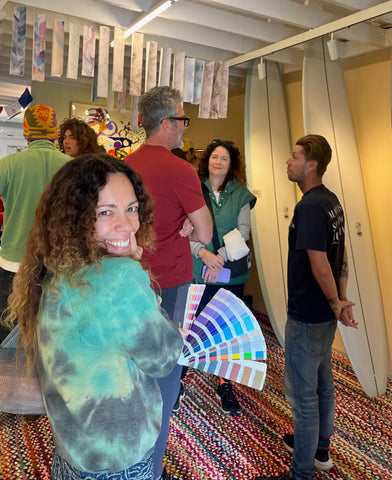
[113, 129]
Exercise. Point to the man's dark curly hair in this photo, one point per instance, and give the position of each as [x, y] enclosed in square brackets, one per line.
[82, 133]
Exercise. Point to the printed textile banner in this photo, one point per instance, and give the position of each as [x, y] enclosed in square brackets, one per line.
[57, 49]
[88, 59]
[73, 51]
[18, 46]
[38, 66]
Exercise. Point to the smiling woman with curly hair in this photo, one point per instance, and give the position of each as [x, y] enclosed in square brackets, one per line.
[90, 322]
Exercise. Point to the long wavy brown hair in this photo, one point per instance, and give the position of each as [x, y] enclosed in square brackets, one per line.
[62, 238]
[83, 134]
[237, 166]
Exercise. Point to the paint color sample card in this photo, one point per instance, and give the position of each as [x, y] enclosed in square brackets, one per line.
[225, 339]
[187, 301]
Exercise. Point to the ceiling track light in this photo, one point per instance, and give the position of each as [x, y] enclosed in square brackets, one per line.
[261, 72]
[333, 48]
[146, 18]
[160, 8]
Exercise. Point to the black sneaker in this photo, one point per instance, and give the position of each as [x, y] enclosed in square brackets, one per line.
[288, 442]
[229, 403]
[322, 459]
[181, 395]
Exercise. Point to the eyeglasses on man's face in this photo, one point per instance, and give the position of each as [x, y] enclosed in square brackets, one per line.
[186, 120]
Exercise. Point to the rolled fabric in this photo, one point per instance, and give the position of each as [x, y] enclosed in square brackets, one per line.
[236, 247]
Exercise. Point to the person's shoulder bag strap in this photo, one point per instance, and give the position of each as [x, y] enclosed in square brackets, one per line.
[206, 195]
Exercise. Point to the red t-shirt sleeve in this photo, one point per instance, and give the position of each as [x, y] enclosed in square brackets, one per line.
[188, 189]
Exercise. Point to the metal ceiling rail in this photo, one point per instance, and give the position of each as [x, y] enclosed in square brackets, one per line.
[330, 27]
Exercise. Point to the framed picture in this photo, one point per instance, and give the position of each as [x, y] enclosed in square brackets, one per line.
[116, 131]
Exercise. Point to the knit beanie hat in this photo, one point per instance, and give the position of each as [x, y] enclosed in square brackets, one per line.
[40, 123]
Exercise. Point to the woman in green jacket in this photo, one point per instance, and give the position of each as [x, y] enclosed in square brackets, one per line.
[222, 171]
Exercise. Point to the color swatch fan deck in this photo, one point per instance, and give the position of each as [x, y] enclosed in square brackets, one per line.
[225, 339]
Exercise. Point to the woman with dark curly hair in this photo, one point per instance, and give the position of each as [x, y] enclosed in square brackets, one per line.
[222, 173]
[91, 323]
[76, 138]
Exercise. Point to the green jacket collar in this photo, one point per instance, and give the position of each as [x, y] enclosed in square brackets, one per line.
[41, 144]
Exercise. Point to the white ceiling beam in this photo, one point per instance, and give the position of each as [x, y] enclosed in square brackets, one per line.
[286, 11]
[357, 5]
[136, 5]
[334, 26]
[220, 20]
[199, 35]
[354, 5]
[88, 10]
[101, 13]
[268, 32]
[301, 16]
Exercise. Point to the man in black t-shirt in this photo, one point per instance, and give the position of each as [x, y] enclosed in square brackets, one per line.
[317, 283]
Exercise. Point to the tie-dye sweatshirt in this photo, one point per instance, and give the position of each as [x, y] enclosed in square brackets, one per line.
[101, 349]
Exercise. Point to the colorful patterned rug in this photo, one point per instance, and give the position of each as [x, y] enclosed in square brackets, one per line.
[205, 444]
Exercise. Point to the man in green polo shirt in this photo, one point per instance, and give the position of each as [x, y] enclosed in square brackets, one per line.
[23, 177]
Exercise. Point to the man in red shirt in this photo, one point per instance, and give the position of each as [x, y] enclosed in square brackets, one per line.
[180, 215]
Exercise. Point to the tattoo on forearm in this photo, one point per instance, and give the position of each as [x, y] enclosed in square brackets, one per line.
[344, 272]
[333, 303]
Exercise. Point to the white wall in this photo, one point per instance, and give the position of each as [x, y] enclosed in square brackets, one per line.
[11, 138]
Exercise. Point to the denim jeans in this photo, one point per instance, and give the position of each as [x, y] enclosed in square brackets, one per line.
[62, 470]
[310, 390]
[169, 385]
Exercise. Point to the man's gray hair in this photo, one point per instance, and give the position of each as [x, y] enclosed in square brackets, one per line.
[157, 104]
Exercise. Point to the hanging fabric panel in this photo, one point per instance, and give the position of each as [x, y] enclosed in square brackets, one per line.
[216, 90]
[57, 49]
[89, 34]
[135, 83]
[103, 62]
[206, 91]
[165, 67]
[134, 113]
[199, 71]
[110, 97]
[18, 46]
[118, 59]
[224, 91]
[122, 98]
[94, 95]
[73, 51]
[38, 64]
[151, 65]
[189, 79]
[178, 71]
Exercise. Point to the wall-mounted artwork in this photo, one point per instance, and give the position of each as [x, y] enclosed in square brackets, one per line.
[113, 128]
